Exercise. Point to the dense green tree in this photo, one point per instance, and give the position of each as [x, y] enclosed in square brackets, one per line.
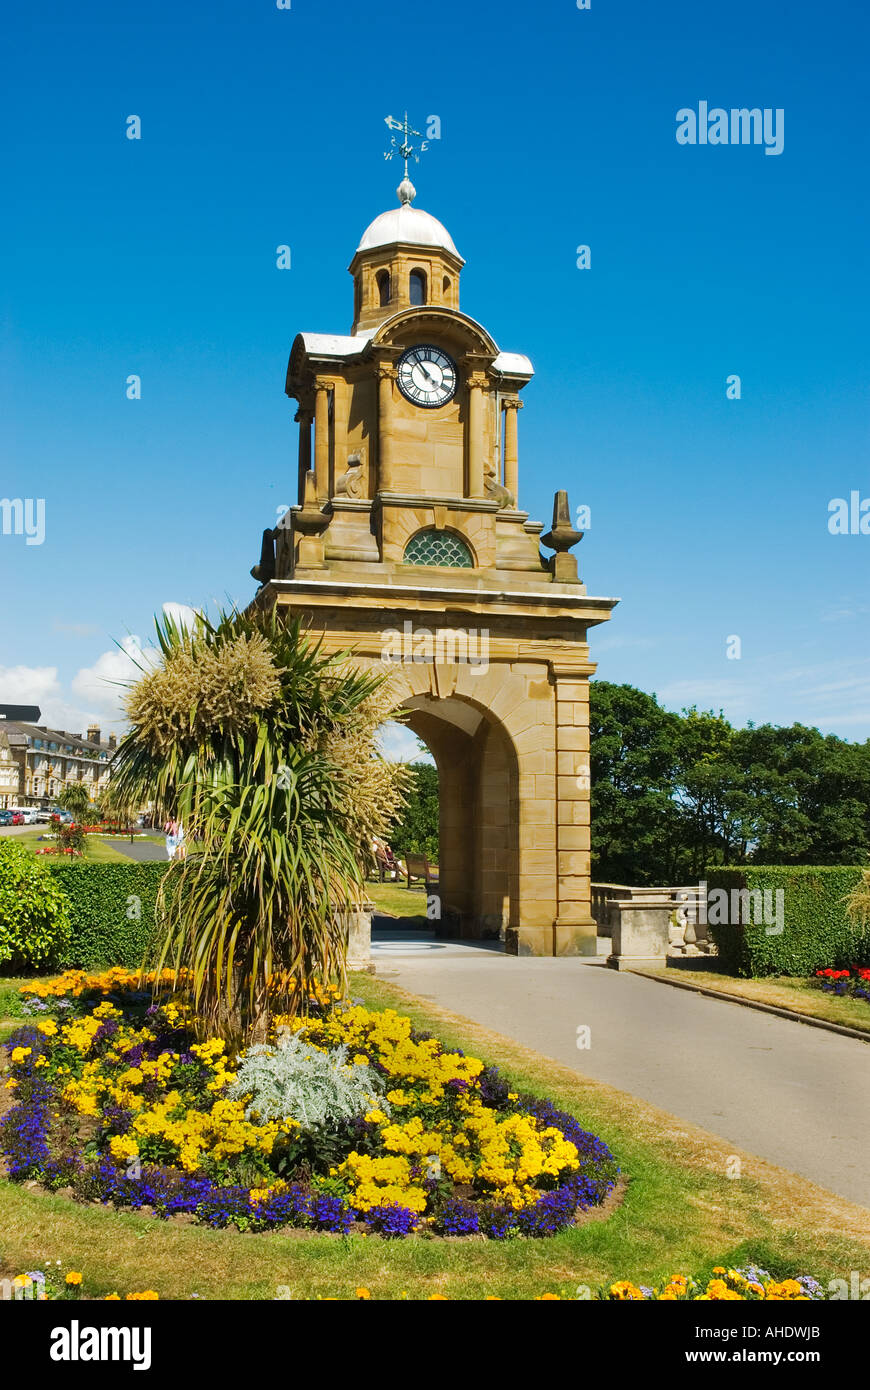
[634, 753]
[673, 794]
[416, 830]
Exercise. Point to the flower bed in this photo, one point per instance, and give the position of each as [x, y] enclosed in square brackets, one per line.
[349, 1120]
[50, 1285]
[854, 982]
[751, 1284]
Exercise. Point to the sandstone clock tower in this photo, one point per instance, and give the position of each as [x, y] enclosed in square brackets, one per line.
[407, 524]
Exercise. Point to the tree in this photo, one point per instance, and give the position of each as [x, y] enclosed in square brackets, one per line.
[636, 824]
[75, 799]
[416, 830]
[248, 733]
[674, 794]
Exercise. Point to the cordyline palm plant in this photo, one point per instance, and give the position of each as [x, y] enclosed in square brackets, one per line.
[243, 731]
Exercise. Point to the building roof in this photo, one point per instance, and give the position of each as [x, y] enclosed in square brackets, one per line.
[25, 731]
[407, 224]
[334, 344]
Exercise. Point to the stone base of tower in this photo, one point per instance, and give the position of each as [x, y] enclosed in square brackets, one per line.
[510, 739]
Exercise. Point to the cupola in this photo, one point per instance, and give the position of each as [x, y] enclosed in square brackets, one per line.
[405, 259]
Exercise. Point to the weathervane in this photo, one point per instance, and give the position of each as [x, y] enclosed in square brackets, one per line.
[406, 150]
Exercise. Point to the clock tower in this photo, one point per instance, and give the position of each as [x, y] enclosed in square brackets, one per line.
[407, 531]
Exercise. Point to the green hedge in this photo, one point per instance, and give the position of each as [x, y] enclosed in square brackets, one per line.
[104, 900]
[816, 930]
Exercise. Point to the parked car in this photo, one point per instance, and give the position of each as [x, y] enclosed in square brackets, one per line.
[43, 815]
[17, 818]
[5, 817]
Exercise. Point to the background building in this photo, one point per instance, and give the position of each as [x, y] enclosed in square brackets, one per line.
[36, 762]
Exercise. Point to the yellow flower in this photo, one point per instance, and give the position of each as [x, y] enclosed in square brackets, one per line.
[19, 1053]
[363, 1293]
[74, 1277]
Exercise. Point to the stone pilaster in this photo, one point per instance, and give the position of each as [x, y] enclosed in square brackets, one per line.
[386, 377]
[574, 928]
[321, 439]
[476, 384]
[510, 405]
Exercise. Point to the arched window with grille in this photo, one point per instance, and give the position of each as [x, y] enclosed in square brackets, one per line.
[417, 287]
[438, 548]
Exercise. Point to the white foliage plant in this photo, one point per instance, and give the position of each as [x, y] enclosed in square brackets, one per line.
[295, 1080]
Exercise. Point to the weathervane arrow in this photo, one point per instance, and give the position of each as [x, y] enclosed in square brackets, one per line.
[406, 150]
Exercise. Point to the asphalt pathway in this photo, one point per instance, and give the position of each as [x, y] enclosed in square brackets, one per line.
[143, 851]
[794, 1095]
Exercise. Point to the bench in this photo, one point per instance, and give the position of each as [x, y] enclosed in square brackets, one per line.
[418, 866]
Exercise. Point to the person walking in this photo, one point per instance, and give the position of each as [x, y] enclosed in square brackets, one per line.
[174, 832]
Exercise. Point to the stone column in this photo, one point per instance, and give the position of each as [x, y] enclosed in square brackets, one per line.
[476, 383]
[511, 405]
[575, 929]
[321, 440]
[303, 419]
[386, 377]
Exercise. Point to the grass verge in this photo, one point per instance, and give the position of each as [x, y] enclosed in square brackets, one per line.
[681, 1213]
[397, 901]
[784, 991]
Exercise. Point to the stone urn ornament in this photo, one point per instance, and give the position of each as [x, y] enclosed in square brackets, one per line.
[561, 537]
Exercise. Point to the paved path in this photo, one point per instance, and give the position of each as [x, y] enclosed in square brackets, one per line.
[797, 1096]
[143, 851]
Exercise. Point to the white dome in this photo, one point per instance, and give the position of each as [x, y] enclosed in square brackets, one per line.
[407, 223]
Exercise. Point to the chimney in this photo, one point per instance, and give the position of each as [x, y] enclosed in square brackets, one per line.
[113, 742]
[93, 733]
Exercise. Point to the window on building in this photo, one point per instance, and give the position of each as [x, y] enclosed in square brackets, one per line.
[438, 548]
[445, 287]
[417, 287]
[382, 279]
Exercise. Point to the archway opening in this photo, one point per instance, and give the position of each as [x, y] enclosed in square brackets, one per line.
[478, 817]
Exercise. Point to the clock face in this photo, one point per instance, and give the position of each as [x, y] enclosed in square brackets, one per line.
[427, 376]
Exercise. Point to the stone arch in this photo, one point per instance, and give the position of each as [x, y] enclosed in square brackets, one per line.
[478, 789]
[492, 733]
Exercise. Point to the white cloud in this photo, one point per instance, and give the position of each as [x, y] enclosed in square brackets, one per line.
[28, 685]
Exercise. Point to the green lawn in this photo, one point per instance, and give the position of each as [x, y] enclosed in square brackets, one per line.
[784, 991]
[97, 850]
[396, 900]
[681, 1213]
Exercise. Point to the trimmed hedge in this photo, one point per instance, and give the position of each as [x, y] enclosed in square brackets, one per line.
[104, 900]
[816, 933]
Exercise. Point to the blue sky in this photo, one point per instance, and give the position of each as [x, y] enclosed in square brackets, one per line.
[262, 127]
